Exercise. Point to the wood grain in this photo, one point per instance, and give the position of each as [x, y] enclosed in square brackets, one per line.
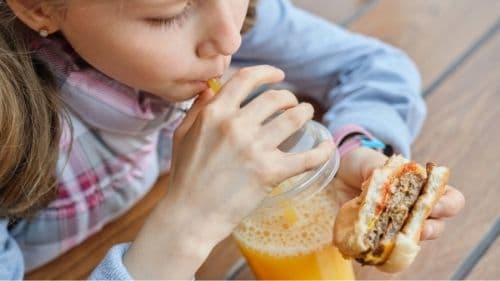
[220, 261]
[434, 33]
[462, 133]
[488, 267]
[337, 11]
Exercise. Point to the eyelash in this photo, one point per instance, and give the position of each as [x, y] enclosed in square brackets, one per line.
[175, 21]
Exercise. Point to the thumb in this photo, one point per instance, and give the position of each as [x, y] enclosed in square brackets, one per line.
[358, 164]
[374, 160]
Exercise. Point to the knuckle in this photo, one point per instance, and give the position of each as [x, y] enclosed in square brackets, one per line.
[309, 161]
[244, 73]
[230, 130]
[266, 173]
[296, 118]
[308, 109]
[273, 96]
[292, 98]
[251, 152]
[270, 68]
[282, 97]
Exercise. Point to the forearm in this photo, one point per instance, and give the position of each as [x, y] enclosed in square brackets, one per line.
[360, 80]
[169, 246]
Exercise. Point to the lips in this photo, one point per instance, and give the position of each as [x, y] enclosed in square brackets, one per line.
[204, 80]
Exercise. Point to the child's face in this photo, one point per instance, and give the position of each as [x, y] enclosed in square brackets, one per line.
[167, 47]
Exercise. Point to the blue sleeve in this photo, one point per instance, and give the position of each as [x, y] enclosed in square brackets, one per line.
[12, 261]
[11, 258]
[360, 80]
[112, 267]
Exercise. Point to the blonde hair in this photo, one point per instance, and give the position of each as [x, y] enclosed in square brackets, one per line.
[251, 16]
[30, 124]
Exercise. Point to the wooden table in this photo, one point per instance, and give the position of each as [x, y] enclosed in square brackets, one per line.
[456, 44]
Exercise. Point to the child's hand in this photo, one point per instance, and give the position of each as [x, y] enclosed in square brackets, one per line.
[224, 163]
[225, 160]
[357, 165]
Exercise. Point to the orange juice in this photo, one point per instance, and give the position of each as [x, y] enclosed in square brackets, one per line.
[294, 240]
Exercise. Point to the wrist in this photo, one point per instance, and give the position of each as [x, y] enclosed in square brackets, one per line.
[351, 137]
[199, 230]
[171, 245]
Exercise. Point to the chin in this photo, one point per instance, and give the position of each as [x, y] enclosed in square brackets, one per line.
[180, 94]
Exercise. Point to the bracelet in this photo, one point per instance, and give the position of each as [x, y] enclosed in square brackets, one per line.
[351, 137]
[371, 143]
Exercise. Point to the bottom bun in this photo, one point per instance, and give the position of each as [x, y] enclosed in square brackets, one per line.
[403, 254]
[349, 238]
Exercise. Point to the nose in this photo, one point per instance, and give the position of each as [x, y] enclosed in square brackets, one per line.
[222, 33]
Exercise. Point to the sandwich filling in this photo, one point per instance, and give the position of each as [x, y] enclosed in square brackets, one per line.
[398, 197]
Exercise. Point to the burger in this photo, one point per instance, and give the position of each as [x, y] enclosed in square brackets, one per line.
[382, 226]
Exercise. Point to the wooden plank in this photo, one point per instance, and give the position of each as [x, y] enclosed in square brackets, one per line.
[245, 274]
[338, 11]
[488, 267]
[434, 33]
[476, 255]
[462, 133]
[220, 261]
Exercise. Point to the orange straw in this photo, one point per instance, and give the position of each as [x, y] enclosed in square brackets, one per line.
[215, 85]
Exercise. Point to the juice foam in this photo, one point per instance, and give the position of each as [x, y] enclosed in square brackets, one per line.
[288, 229]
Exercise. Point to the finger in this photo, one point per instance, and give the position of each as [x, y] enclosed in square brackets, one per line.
[193, 112]
[268, 103]
[358, 164]
[347, 214]
[432, 229]
[450, 204]
[245, 81]
[284, 125]
[344, 192]
[297, 163]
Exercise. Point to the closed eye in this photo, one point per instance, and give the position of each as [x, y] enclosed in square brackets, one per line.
[174, 21]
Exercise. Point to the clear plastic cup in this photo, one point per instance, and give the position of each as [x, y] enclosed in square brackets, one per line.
[290, 235]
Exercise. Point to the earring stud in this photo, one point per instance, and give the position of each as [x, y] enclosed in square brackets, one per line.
[44, 32]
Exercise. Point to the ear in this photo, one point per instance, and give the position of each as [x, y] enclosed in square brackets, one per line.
[36, 14]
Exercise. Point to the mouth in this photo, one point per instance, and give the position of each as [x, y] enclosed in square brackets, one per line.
[204, 80]
[198, 85]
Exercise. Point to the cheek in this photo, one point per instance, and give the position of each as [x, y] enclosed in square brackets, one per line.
[149, 59]
[134, 54]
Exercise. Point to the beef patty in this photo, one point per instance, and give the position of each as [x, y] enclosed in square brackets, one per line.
[403, 193]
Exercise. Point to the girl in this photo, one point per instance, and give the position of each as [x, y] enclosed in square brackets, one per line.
[92, 91]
